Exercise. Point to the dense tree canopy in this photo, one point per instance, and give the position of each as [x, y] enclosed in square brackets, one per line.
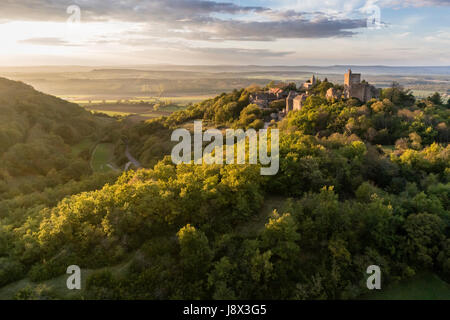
[361, 184]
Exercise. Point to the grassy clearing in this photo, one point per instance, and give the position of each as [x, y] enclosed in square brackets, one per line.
[257, 223]
[171, 108]
[102, 158]
[136, 112]
[426, 286]
[82, 101]
[152, 115]
[112, 113]
[58, 286]
[86, 144]
[176, 100]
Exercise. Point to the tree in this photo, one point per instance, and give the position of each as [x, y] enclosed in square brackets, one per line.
[425, 235]
[398, 95]
[249, 115]
[279, 237]
[194, 251]
[221, 279]
[196, 257]
[436, 98]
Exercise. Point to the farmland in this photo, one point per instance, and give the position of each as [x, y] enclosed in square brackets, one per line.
[133, 110]
[182, 85]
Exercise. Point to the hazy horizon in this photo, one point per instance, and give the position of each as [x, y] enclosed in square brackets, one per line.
[219, 65]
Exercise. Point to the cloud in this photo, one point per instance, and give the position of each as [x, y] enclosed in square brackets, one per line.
[238, 52]
[126, 10]
[193, 19]
[188, 47]
[154, 11]
[220, 30]
[46, 41]
[210, 55]
[440, 36]
[414, 3]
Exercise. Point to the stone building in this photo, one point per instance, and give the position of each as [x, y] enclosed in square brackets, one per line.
[279, 93]
[298, 102]
[262, 99]
[311, 83]
[294, 101]
[290, 101]
[333, 93]
[354, 88]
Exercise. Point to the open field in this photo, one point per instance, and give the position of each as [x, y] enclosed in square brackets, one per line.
[112, 113]
[122, 107]
[427, 286]
[102, 158]
[173, 100]
[135, 111]
[57, 286]
[177, 100]
[426, 93]
[84, 145]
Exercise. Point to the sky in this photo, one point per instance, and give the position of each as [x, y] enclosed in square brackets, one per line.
[238, 32]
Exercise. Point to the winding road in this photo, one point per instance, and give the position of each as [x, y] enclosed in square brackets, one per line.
[131, 160]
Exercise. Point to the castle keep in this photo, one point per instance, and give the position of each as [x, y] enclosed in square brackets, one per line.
[354, 88]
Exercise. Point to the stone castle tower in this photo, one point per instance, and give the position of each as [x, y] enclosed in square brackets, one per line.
[312, 82]
[354, 88]
[352, 78]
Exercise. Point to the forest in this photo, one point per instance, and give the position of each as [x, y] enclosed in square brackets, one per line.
[359, 184]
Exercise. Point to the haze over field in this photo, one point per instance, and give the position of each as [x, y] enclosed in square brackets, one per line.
[192, 83]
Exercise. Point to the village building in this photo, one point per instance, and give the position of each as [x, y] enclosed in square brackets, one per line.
[294, 100]
[290, 101]
[298, 101]
[262, 99]
[279, 93]
[310, 83]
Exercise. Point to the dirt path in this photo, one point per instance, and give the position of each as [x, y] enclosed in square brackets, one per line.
[131, 159]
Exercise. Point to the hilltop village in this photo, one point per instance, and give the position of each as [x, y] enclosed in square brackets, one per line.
[294, 98]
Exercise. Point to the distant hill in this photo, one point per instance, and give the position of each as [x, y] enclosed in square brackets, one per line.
[135, 82]
[27, 114]
[340, 69]
[377, 69]
[36, 134]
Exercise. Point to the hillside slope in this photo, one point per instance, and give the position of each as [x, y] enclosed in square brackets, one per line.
[37, 132]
